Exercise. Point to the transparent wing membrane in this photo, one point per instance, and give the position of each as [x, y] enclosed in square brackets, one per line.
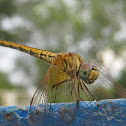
[105, 87]
[70, 78]
[71, 90]
[41, 94]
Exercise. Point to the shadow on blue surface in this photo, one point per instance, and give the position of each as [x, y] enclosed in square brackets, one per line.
[102, 113]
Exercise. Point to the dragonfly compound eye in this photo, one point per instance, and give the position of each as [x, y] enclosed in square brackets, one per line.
[88, 73]
[85, 70]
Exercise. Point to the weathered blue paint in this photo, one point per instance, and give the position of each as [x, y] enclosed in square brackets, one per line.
[102, 113]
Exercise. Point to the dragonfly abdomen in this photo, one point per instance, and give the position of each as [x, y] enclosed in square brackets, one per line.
[41, 54]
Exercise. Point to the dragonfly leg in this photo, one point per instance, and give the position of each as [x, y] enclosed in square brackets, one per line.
[55, 94]
[79, 91]
[84, 92]
[76, 94]
[55, 86]
[77, 102]
[71, 92]
[77, 107]
[88, 91]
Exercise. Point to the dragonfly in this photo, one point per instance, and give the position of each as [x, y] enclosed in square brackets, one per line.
[70, 78]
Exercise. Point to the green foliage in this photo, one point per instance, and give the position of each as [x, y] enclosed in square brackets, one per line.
[7, 8]
[61, 25]
[122, 79]
[5, 84]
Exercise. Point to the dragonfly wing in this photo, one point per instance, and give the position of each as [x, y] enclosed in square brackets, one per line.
[48, 89]
[105, 87]
[62, 85]
[39, 107]
[41, 94]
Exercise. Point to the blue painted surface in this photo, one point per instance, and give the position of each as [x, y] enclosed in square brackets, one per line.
[102, 113]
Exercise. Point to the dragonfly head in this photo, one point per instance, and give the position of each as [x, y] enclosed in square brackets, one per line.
[88, 73]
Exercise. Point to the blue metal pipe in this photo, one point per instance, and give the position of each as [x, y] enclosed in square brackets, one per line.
[110, 112]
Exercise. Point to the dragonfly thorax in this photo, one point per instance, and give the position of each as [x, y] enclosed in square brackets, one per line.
[88, 73]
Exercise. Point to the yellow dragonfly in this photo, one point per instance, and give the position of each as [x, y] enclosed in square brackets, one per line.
[70, 78]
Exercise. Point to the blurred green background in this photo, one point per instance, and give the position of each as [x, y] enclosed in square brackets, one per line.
[95, 29]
